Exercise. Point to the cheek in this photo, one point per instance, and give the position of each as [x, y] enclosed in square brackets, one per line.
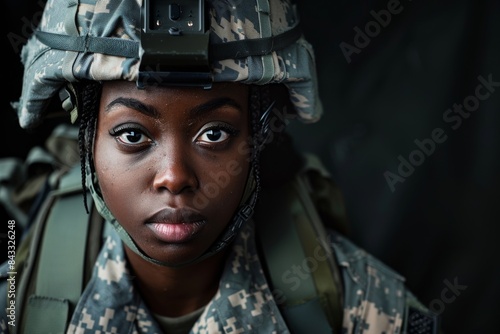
[113, 177]
[104, 162]
[223, 184]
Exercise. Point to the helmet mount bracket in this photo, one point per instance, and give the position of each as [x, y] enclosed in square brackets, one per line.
[174, 43]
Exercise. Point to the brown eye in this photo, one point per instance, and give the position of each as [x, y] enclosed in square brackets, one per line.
[214, 136]
[130, 136]
[217, 133]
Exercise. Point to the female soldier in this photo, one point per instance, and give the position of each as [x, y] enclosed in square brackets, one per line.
[173, 118]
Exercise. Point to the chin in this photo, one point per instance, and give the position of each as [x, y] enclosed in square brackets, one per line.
[176, 255]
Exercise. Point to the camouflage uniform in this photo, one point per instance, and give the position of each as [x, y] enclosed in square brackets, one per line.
[374, 300]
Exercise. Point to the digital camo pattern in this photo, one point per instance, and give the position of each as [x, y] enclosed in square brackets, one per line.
[374, 296]
[243, 303]
[47, 70]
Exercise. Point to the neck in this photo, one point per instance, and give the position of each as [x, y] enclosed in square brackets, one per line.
[174, 292]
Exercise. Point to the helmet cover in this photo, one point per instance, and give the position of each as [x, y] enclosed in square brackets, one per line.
[49, 68]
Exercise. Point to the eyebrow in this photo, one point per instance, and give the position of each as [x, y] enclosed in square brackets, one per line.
[153, 112]
[134, 104]
[211, 105]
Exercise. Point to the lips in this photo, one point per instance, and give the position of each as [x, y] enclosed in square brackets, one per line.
[176, 225]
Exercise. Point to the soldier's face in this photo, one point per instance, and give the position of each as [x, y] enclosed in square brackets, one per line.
[172, 163]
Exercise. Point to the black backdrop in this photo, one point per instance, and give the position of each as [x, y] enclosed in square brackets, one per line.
[440, 226]
[387, 94]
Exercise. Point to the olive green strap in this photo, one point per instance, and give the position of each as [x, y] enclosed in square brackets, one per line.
[324, 267]
[46, 315]
[281, 247]
[59, 278]
[63, 249]
[298, 262]
[308, 317]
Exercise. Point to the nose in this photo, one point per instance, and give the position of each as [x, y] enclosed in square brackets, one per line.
[175, 172]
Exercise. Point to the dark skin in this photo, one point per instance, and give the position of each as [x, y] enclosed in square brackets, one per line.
[172, 165]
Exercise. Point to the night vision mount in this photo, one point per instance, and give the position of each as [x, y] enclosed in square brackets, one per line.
[175, 44]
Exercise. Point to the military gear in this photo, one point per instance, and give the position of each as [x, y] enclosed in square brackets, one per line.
[331, 283]
[254, 42]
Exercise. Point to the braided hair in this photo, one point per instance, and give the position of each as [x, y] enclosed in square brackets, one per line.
[88, 97]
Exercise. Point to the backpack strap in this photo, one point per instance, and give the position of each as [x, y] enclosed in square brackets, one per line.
[59, 264]
[11, 177]
[303, 270]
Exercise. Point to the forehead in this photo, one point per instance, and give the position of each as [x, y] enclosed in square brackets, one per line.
[171, 94]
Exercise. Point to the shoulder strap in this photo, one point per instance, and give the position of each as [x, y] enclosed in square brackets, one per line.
[58, 264]
[298, 257]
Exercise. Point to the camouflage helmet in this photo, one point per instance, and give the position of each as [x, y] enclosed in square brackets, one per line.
[250, 41]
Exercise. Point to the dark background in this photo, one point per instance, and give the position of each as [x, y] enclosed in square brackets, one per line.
[440, 226]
